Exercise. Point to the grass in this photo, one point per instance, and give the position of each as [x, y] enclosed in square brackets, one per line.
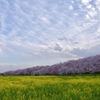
[85, 87]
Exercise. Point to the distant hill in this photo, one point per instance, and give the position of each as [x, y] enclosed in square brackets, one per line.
[84, 65]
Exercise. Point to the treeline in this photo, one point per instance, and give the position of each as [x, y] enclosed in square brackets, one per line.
[81, 66]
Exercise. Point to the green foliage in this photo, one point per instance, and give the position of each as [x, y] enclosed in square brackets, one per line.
[85, 87]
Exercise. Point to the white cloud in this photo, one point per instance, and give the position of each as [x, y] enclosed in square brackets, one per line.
[70, 7]
[85, 1]
[89, 6]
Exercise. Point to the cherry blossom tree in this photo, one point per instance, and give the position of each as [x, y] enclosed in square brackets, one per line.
[84, 65]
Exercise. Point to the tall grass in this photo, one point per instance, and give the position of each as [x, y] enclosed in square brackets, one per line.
[86, 87]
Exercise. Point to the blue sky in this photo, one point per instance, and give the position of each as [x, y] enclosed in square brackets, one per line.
[41, 32]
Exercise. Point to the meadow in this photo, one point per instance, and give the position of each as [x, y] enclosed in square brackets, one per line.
[79, 87]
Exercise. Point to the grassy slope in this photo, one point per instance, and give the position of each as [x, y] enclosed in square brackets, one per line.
[86, 87]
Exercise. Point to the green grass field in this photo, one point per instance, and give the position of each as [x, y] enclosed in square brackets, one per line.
[85, 87]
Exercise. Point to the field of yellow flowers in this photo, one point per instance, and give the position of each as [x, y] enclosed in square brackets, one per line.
[79, 87]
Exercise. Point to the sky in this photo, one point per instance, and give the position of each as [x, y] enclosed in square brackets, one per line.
[44, 32]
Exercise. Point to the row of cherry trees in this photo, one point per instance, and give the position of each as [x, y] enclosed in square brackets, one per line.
[85, 65]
